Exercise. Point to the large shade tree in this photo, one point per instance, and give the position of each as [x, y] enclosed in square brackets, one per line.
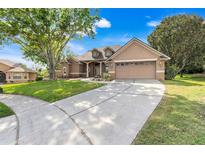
[181, 37]
[43, 34]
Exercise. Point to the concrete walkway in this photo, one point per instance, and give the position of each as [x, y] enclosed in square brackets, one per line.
[8, 130]
[112, 114]
[40, 123]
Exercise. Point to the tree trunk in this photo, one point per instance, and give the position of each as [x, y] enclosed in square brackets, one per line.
[180, 71]
[51, 67]
[52, 73]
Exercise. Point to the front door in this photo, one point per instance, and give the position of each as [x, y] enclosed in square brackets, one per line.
[97, 69]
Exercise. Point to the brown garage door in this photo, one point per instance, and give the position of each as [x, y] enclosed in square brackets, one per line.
[136, 70]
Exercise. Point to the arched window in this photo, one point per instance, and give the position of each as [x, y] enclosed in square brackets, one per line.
[64, 71]
[108, 51]
[95, 53]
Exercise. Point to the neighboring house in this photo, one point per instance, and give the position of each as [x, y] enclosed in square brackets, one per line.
[11, 72]
[134, 60]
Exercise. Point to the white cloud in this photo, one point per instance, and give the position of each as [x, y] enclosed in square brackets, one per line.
[103, 23]
[148, 17]
[81, 34]
[117, 39]
[94, 29]
[153, 23]
[76, 48]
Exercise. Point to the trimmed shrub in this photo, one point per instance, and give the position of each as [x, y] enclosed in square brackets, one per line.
[1, 90]
[106, 76]
[39, 78]
[194, 69]
[171, 72]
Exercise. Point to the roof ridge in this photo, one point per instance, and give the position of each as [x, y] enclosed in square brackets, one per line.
[87, 55]
[104, 46]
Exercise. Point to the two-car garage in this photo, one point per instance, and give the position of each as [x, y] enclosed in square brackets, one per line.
[135, 70]
[137, 60]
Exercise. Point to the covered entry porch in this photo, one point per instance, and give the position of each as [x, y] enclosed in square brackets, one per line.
[95, 68]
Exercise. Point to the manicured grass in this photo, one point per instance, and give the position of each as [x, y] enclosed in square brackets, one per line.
[180, 118]
[5, 110]
[50, 90]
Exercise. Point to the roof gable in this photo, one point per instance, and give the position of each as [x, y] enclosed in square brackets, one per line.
[135, 51]
[135, 40]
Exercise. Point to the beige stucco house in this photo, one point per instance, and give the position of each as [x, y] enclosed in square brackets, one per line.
[11, 72]
[134, 60]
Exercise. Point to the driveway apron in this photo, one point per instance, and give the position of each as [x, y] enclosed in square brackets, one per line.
[115, 113]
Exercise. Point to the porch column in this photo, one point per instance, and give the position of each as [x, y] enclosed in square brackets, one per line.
[87, 70]
[27, 76]
[101, 69]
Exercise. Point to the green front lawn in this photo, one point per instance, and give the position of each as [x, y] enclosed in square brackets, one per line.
[180, 118]
[50, 90]
[5, 110]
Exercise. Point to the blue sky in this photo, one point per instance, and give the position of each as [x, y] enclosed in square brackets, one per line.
[117, 26]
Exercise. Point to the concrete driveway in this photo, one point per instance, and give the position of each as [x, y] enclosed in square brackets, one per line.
[112, 114]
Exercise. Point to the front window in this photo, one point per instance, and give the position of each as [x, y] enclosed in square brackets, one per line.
[108, 53]
[17, 76]
[95, 54]
[64, 70]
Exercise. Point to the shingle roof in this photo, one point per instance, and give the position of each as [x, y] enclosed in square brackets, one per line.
[21, 69]
[7, 62]
[15, 67]
[88, 55]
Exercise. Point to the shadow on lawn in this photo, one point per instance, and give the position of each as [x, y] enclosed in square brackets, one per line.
[177, 120]
[51, 90]
[186, 81]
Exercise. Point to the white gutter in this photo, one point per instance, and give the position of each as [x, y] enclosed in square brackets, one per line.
[135, 60]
